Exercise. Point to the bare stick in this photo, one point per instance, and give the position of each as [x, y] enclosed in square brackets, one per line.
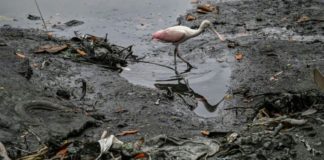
[33, 133]
[40, 13]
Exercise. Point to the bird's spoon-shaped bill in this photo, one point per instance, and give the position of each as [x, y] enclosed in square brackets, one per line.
[219, 35]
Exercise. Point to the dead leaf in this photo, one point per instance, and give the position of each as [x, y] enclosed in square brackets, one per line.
[201, 11]
[140, 156]
[125, 133]
[263, 113]
[92, 38]
[81, 52]
[51, 48]
[35, 65]
[239, 56]
[49, 35]
[318, 79]
[121, 110]
[62, 153]
[232, 137]
[303, 19]
[190, 18]
[275, 76]
[206, 7]
[205, 133]
[20, 55]
[63, 150]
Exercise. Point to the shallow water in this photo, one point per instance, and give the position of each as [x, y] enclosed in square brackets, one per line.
[129, 22]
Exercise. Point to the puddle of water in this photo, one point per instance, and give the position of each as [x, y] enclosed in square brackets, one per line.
[207, 84]
[211, 85]
[127, 22]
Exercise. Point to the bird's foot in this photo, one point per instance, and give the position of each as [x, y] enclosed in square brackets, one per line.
[189, 67]
[176, 72]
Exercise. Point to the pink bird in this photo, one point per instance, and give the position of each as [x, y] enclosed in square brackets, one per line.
[179, 34]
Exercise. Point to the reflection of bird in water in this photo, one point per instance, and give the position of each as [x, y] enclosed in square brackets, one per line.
[179, 34]
[184, 89]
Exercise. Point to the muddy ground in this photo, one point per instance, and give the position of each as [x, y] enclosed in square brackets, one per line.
[280, 49]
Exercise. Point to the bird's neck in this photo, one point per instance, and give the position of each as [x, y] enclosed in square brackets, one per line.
[198, 31]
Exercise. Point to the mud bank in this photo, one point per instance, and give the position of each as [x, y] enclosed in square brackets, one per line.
[270, 84]
[111, 102]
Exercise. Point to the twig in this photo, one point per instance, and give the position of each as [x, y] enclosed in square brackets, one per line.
[37, 137]
[25, 142]
[277, 129]
[171, 79]
[297, 122]
[104, 134]
[40, 13]
[106, 38]
[127, 48]
[84, 88]
[313, 151]
[22, 150]
[320, 119]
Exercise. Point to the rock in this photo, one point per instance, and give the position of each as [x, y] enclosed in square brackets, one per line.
[122, 125]
[33, 17]
[25, 69]
[68, 24]
[267, 145]
[63, 94]
[73, 23]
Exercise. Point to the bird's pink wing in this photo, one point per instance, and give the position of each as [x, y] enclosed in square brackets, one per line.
[171, 35]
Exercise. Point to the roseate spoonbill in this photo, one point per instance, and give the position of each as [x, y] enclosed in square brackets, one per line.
[179, 34]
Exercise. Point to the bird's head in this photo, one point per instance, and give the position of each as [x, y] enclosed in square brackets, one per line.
[206, 24]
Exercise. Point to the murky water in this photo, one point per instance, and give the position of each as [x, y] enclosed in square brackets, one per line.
[129, 22]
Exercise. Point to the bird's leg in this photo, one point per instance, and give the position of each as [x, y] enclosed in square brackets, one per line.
[189, 66]
[175, 60]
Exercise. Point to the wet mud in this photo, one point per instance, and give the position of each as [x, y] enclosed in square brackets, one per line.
[281, 43]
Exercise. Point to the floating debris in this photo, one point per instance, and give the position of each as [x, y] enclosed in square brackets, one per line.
[68, 24]
[33, 17]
